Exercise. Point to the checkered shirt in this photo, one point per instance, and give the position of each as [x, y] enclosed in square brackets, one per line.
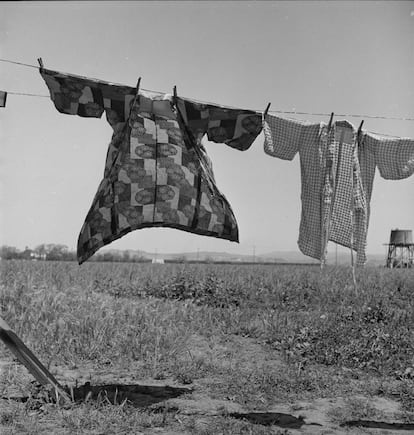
[337, 172]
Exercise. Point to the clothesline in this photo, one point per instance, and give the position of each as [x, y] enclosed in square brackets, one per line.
[28, 95]
[291, 112]
[287, 112]
[270, 111]
[348, 115]
[18, 63]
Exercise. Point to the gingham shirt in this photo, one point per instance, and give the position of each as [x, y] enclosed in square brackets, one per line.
[337, 173]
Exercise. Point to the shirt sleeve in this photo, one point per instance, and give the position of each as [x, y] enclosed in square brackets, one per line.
[394, 156]
[284, 137]
[88, 98]
[236, 128]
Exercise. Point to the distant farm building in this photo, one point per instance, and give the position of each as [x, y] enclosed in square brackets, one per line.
[157, 261]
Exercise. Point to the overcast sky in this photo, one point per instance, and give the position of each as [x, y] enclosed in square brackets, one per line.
[346, 57]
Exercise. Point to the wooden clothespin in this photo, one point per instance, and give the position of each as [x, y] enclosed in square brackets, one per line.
[360, 131]
[330, 121]
[266, 110]
[39, 59]
[360, 127]
[175, 95]
[138, 83]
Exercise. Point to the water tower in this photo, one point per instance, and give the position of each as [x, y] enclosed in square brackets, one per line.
[400, 249]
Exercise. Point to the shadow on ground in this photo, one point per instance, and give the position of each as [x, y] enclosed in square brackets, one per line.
[291, 422]
[271, 418]
[135, 395]
[379, 425]
[138, 396]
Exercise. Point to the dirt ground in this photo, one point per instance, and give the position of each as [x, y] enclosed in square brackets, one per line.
[195, 401]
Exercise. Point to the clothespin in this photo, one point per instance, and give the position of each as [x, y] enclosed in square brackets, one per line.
[360, 131]
[330, 121]
[175, 95]
[266, 110]
[138, 83]
[39, 59]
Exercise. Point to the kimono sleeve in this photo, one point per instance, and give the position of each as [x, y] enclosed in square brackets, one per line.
[88, 98]
[394, 156]
[236, 128]
[284, 137]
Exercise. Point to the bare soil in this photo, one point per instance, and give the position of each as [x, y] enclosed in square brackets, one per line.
[202, 399]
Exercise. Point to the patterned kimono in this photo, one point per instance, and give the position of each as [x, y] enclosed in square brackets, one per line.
[157, 172]
[337, 171]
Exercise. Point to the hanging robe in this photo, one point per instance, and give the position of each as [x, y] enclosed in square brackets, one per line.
[157, 172]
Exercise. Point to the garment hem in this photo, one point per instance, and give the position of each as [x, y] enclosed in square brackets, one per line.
[201, 232]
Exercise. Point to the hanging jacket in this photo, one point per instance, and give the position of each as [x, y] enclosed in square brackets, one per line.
[157, 172]
[337, 173]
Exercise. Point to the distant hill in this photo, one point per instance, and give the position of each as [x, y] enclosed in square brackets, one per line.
[271, 257]
[341, 258]
[189, 256]
[287, 257]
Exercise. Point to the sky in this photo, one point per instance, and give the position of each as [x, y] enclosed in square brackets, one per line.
[317, 57]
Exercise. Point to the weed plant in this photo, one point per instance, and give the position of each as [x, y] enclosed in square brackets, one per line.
[147, 315]
[111, 310]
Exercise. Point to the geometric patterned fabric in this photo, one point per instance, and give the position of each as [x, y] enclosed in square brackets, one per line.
[157, 172]
[337, 174]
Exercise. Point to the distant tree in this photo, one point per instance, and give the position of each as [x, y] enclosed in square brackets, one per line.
[107, 256]
[49, 251]
[140, 259]
[41, 251]
[70, 256]
[56, 252]
[9, 252]
[27, 254]
[52, 251]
